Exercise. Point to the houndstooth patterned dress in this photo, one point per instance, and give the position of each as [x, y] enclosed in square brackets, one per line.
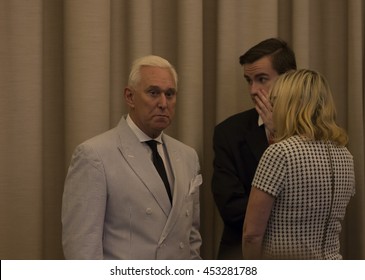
[298, 173]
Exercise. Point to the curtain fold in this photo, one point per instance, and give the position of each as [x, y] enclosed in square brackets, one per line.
[64, 65]
[189, 122]
[354, 232]
[87, 70]
[53, 129]
[21, 130]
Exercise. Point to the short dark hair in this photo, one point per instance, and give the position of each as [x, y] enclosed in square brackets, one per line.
[283, 57]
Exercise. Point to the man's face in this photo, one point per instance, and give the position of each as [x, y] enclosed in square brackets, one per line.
[152, 102]
[260, 76]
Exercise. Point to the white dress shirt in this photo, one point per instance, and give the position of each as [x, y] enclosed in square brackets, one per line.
[143, 137]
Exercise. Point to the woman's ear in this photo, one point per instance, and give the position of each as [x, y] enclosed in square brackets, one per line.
[129, 97]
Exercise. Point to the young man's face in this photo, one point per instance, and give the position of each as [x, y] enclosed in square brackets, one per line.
[260, 76]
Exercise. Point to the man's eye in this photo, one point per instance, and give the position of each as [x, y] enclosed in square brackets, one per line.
[170, 93]
[153, 92]
[263, 80]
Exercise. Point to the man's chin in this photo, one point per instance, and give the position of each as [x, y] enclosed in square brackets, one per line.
[161, 125]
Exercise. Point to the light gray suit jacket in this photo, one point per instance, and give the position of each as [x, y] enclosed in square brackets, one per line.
[115, 204]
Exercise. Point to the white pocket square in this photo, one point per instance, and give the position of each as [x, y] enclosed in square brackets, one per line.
[195, 184]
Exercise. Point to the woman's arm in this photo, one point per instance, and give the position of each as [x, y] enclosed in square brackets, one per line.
[258, 212]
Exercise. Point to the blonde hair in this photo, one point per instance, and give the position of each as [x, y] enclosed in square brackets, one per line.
[303, 105]
[149, 60]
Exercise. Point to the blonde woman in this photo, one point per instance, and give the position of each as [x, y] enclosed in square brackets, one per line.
[304, 180]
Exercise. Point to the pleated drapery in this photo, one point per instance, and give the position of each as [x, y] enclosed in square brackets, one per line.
[64, 65]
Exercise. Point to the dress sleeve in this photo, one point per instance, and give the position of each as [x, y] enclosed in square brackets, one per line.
[271, 171]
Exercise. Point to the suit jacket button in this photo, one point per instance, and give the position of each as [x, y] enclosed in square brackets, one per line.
[148, 211]
[187, 213]
[182, 245]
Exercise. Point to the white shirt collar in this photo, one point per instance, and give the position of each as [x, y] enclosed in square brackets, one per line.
[142, 137]
[260, 121]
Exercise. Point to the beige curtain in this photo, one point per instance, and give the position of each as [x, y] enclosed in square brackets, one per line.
[64, 64]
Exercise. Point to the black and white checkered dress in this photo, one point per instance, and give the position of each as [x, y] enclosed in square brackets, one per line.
[298, 173]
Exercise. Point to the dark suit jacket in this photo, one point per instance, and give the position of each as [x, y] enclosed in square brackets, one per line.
[238, 144]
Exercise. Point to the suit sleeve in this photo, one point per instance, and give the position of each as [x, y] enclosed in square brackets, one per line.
[229, 193]
[83, 206]
[195, 237]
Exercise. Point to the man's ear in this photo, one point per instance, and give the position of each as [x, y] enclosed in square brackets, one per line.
[129, 97]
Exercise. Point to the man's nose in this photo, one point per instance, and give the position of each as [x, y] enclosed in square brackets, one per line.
[162, 102]
[254, 88]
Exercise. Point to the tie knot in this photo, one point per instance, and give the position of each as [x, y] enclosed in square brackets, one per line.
[152, 144]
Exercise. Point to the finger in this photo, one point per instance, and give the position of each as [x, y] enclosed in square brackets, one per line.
[263, 103]
[263, 95]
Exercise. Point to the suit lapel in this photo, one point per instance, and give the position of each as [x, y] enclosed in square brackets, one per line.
[179, 184]
[136, 155]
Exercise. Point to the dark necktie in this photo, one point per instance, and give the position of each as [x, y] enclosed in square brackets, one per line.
[158, 162]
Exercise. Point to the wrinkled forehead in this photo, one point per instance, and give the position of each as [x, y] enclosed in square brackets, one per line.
[157, 76]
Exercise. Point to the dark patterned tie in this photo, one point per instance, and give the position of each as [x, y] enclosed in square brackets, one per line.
[158, 162]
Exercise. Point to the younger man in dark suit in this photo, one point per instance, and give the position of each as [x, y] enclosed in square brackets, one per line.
[240, 140]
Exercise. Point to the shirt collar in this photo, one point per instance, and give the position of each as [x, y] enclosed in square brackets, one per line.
[142, 137]
[260, 122]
